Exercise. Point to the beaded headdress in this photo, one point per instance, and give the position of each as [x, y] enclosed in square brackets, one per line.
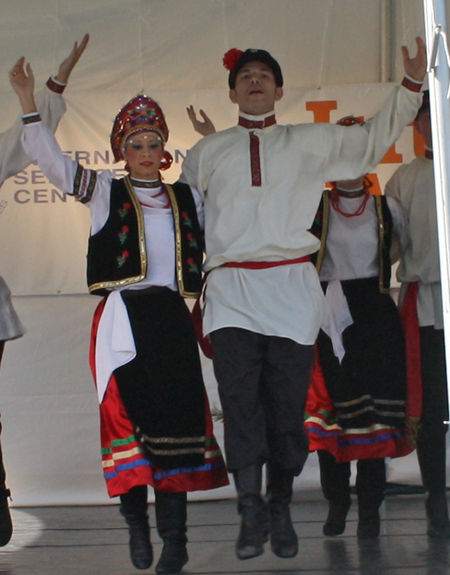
[140, 114]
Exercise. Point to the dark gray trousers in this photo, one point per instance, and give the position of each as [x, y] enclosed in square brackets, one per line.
[431, 439]
[263, 384]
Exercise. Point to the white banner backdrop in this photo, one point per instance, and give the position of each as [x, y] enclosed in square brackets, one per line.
[48, 403]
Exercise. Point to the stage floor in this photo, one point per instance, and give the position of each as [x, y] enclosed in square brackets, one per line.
[93, 540]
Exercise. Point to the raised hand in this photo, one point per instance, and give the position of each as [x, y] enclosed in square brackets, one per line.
[67, 65]
[22, 80]
[416, 67]
[204, 128]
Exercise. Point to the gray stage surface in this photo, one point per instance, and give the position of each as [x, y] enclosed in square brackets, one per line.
[93, 540]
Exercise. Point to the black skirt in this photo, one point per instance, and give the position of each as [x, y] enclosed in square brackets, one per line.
[162, 388]
[369, 386]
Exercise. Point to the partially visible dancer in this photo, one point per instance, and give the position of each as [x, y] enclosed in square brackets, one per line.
[13, 159]
[261, 184]
[357, 401]
[421, 303]
[145, 254]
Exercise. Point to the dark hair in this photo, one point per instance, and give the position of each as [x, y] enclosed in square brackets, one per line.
[425, 106]
[256, 55]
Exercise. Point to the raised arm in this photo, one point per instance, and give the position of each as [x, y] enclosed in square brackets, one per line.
[49, 103]
[358, 150]
[69, 63]
[22, 81]
[415, 67]
[204, 128]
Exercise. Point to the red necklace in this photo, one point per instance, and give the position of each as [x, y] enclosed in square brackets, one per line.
[334, 197]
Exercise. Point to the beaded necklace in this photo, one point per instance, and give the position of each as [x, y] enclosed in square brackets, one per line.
[334, 198]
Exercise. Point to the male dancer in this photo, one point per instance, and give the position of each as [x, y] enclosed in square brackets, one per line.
[413, 186]
[261, 184]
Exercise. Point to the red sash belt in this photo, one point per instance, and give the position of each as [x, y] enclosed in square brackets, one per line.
[265, 265]
[414, 393]
[410, 323]
[196, 313]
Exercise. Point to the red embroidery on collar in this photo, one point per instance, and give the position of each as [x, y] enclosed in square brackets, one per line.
[257, 124]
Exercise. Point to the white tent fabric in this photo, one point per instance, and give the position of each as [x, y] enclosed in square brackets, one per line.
[333, 53]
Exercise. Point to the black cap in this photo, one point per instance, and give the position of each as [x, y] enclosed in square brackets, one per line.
[256, 55]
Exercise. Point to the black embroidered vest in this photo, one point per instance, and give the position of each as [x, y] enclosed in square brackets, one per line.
[320, 230]
[117, 253]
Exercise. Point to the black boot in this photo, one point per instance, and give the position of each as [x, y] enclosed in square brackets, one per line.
[438, 524]
[370, 487]
[431, 436]
[254, 527]
[368, 523]
[6, 527]
[133, 507]
[283, 538]
[335, 482]
[336, 519]
[171, 516]
[431, 456]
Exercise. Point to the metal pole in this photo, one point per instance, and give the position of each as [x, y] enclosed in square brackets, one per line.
[387, 41]
[438, 80]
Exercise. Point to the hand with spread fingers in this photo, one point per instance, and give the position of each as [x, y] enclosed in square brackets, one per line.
[416, 67]
[204, 128]
[22, 80]
[67, 65]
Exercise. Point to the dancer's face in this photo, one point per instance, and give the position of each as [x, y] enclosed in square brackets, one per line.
[423, 126]
[143, 153]
[255, 90]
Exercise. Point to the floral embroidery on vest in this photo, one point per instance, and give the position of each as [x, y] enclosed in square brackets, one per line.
[123, 211]
[123, 234]
[122, 258]
[192, 265]
[192, 241]
[186, 219]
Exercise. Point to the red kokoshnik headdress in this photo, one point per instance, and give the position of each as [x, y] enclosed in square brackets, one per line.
[140, 114]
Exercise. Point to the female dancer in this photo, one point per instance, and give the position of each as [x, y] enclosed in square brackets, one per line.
[357, 401]
[144, 256]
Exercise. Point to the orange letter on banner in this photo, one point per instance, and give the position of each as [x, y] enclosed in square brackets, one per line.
[392, 157]
[321, 110]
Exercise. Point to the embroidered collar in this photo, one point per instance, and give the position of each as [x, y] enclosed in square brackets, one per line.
[257, 124]
[145, 183]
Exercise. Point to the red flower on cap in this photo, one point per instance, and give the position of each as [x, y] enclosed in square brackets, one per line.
[231, 58]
